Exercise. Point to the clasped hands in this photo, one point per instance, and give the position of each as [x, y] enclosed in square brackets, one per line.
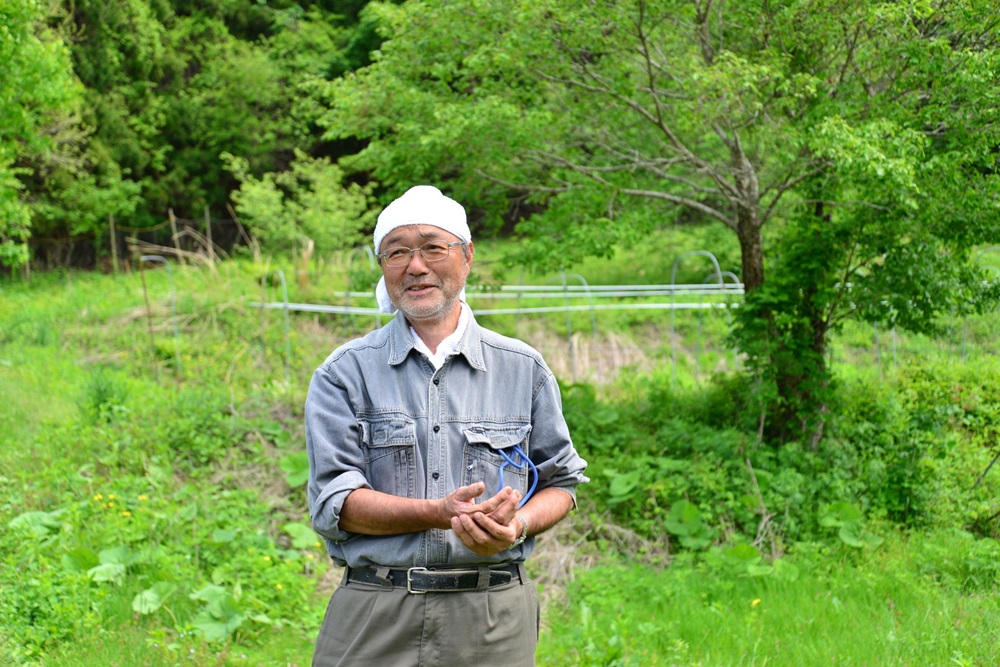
[489, 527]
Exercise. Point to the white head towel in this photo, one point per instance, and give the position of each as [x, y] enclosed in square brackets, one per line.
[420, 205]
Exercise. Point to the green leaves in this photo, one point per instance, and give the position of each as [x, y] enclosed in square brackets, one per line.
[153, 598]
[309, 202]
[879, 155]
[220, 616]
[40, 525]
[622, 486]
[123, 109]
[744, 560]
[851, 127]
[847, 518]
[112, 565]
[296, 467]
[686, 522]
[303, 536]
[37, 93]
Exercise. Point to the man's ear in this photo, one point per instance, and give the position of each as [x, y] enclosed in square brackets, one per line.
[470, 255]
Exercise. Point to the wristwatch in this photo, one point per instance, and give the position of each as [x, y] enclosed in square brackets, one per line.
[524, 532]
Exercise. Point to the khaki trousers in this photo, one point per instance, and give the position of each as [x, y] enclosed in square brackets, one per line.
[369, 626]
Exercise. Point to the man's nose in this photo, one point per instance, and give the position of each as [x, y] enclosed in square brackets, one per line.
[417, 263]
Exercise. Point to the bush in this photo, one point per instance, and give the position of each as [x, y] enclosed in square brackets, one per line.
[912, 453]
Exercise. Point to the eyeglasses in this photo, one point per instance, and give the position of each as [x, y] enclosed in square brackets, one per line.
[432, 251]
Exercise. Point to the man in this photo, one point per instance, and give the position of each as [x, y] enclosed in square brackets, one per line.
[437, 451]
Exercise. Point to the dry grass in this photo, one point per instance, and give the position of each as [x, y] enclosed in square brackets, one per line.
[579, 543]
[587, 357]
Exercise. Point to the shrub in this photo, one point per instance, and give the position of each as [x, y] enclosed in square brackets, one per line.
[913, 453]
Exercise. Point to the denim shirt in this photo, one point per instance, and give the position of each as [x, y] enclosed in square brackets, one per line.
[378, 416]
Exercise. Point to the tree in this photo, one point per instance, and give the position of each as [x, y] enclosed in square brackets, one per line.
[307, 205]
[38, 95]
[167, 87]
[859, 132]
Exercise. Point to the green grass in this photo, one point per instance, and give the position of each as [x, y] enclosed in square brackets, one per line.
[133, 645]
[873, 609]
[107, 442]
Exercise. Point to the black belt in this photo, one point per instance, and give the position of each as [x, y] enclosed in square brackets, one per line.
[440, 579]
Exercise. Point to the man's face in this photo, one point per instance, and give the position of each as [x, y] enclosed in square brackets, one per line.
[426, 291]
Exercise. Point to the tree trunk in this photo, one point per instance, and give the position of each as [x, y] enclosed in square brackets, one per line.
[799, 360]
[751, 249]
[748, 222]
[801, 378]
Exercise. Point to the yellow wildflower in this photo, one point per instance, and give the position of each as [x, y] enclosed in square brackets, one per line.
[99, 496]
[126, 513]
[278, 586]
[755, 602]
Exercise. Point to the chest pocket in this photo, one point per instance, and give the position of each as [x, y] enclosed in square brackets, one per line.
[485, 461]
[389, 449]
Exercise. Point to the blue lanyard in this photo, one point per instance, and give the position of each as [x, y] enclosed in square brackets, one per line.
[520, 463]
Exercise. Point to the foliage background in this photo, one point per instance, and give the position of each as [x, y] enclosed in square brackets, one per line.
[801, 501]
[154, 512]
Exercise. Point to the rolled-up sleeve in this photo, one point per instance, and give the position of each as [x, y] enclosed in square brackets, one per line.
[336, 458]
[552, 451]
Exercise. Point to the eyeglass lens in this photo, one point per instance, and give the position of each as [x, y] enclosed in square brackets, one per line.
[431, 252]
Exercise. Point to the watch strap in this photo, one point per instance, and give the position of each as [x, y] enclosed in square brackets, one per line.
[524, 531]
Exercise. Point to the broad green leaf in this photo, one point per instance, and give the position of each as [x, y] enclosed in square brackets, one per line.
[223, 535]
[742, 553]
[210, 594]
[755, 570]
[839, 514]
[852, 534]
[302, 535]
[871, 539]
[684, 519]
[219, 617]
[39, 524]
[214, 628]
[80, 559]
[153, 598]
[698, 540]
[622, 486]
[117, 555]
[296, 467]
[108, 572]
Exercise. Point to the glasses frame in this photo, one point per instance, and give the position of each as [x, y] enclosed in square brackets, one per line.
[384, 259]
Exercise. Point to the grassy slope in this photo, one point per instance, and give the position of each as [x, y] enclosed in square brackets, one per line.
[846, 609]
[65, 336]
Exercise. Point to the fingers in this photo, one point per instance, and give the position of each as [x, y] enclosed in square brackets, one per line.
[504, 496]
[485, 528]
[504, 513]
[462, 500]
[482, 534]
[470, 492]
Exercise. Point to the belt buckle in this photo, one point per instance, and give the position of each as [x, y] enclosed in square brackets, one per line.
[409, 580]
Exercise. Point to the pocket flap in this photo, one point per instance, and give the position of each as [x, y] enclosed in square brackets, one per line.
[496, 437]
[389, 432]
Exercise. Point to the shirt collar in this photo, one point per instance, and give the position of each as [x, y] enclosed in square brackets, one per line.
[449, 345]
[466, 343]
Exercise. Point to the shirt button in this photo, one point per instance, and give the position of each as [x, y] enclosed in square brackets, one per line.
[437, 428]
[437, 380]
[436, 475]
